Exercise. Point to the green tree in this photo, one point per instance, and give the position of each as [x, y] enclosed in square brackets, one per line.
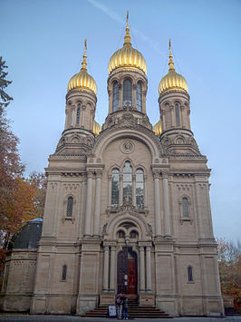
[10, 164]
[11, 167]
[229, 257]
[5, 98]
[39, 180]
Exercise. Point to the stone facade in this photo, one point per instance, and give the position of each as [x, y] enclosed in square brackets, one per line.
[123, 197]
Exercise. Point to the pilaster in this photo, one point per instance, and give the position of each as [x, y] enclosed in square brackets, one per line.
[97, 203]
[88, 210]
[156, 175]
[166, 203]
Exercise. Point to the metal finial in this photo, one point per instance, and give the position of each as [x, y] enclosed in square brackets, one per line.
[127, 39]
[84, 61]
[171, 62]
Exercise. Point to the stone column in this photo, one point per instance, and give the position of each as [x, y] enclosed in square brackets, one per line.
[92, 116]
[210, 230]
[148, 268]
[112, 267]
[120, 97]
[106, 269]
[82, 115]
[157, 202]
[133, 103]
[66, 125]
[97, 203]
[110, 93]
[166, 203]
[163, 120]
[182, 117]
[142, 269]
[72, 118]
[188, 117]
[173, 124]
[143, 97]
[88, 204]
[134, 190]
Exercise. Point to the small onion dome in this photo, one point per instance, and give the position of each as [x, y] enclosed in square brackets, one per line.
[157, 128]
[83, 80]
[96, 128]
[127, 56]
[28, 236]
[173, 80]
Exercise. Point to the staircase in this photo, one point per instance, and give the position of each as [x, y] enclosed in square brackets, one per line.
[134, 311]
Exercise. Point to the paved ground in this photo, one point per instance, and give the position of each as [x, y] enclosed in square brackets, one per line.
[55, 318]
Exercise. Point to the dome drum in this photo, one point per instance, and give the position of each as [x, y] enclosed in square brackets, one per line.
[75, 96]
[172, 95]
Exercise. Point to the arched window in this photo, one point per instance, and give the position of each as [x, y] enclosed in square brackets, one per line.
[189, 274]
[127, 183]
[122, 191]
[139, 97]
[121, 234]
[140, 189]
[64, 272]
[133, 234]
[78, 115]
[177, 113]
[185, 207]
[127, 93]
[115, 188]
[69, 210]
[115, 98]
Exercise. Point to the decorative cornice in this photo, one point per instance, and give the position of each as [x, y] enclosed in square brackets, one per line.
[127, 207]
[171, 92]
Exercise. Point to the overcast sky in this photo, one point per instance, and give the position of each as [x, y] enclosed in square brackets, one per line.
[42, 43]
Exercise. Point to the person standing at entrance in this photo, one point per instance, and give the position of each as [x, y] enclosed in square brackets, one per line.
[125, 308]
[119, 306]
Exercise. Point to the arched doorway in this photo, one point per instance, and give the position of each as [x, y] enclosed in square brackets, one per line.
[127, 272]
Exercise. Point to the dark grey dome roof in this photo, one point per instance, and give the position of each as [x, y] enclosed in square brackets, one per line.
[28, 236]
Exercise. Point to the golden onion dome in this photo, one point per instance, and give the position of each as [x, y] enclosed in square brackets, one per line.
[96, 128]
[127, 56]
[157, 128]
[83, 80]
[173, 80]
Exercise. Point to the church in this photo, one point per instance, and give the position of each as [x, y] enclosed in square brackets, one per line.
[127, 207]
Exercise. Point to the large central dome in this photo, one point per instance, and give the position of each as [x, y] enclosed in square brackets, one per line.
[127, 56]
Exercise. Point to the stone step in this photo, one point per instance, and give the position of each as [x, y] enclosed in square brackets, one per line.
[134, 311]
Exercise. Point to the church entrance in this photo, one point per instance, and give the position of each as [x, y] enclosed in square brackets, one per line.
[127, 272]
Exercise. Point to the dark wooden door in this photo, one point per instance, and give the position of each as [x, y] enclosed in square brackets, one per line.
[127, 272]
[132, 275]
[122, 270]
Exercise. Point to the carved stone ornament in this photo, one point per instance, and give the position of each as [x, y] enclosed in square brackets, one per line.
[74, 144]
[127, 146]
